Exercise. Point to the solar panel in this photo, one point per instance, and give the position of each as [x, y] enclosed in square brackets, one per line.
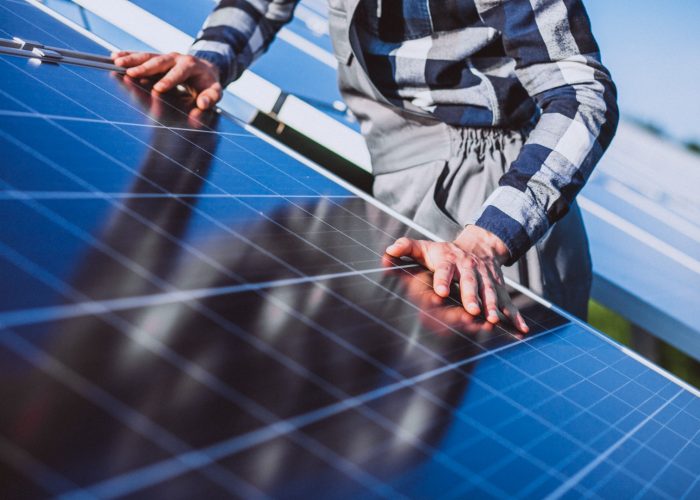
[189, 311]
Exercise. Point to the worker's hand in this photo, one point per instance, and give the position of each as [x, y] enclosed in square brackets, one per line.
[474, 259]
[201, 76]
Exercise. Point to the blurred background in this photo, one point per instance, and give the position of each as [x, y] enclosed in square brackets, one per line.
[652, 51]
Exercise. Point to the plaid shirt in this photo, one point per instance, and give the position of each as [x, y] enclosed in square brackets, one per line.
[475, 63]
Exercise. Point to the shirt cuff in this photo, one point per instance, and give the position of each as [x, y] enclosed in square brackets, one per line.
[512, 216]
[225, 65]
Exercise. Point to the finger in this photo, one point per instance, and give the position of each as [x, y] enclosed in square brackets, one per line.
[511, 312]
[131, 59]
[469, 287]
[389, 262]
[120, 53]
[177, 74]
[404, 247]
[508, 308]
[443, 277]
[153, 66]
[520, 322]
[489, 299]
[209, 97]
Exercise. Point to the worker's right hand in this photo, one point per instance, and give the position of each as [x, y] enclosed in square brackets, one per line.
[201, 76]
[475, 258]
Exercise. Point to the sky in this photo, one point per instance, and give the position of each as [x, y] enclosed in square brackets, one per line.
[652, 49]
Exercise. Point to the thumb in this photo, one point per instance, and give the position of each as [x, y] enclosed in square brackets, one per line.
[208, 98]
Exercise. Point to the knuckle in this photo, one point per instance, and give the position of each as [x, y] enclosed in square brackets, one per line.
[445, 267]
[187, 61]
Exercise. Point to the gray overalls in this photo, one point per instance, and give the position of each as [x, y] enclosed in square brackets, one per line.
[439, 175]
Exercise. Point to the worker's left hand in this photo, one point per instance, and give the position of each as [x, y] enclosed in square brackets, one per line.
[474, 258]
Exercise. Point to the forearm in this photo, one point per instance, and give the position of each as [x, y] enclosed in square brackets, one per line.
[574, 130]
[557, 60]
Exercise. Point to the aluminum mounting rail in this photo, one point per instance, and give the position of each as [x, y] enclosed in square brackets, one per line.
[55, 55]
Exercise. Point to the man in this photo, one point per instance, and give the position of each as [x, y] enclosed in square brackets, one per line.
[484, 119]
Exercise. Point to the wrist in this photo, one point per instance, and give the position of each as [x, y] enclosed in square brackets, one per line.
[219, 66]
[483, 243]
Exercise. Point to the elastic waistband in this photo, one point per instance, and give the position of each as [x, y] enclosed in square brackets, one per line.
[466, 140]
[412, 145]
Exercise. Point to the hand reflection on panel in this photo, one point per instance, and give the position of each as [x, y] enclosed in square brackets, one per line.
[177, 162]
[174, 109]
[442, 316]
[350, 335]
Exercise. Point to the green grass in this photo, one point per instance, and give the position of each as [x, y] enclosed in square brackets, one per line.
[609, 322]
[618, 328]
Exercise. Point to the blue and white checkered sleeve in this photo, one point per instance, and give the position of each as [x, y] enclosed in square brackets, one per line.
[558, 62]
[238, 31]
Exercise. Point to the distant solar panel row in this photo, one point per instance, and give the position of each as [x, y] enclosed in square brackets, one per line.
[187, 311]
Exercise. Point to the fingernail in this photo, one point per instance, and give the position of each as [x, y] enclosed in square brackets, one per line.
[205, 102]
[474, 307]
[443, 289]
[493, 313]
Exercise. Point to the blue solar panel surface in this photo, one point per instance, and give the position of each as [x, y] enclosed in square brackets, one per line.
[189, 312]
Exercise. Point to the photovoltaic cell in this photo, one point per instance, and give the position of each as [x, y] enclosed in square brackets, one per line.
[188, 311]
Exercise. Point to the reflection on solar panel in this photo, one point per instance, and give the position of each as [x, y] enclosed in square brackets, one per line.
[187, 311]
